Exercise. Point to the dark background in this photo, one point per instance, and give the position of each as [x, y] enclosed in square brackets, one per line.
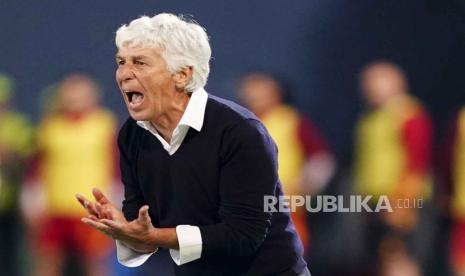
[317, 46]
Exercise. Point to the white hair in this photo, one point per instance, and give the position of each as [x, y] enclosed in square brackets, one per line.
[183, 43]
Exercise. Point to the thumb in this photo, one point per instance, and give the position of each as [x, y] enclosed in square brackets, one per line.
[144, 215]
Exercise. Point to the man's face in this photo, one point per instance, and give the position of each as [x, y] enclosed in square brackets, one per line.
[380, 84]
[259, 95]
[77, 96]
[145, 82]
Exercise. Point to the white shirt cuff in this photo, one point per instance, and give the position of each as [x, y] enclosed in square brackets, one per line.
[190, 244]
[128, 257]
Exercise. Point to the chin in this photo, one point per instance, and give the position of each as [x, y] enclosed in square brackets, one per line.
[138, 116]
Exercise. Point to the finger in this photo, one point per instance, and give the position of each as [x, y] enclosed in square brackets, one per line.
[97, 225]
[144, 214]
[89, 206]
[81, 199]
[107, 212]
[100, 212]
[92, 217]
[99, 196]
[113, 224]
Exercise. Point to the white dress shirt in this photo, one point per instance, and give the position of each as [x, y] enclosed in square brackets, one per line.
[189, 237]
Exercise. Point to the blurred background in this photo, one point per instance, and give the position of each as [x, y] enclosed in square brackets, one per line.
[315, 63]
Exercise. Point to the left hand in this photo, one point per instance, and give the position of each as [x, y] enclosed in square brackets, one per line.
[106, 218]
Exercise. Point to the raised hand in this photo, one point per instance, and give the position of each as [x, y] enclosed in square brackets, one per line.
[101, 208]
[138, 234]
[105, 217]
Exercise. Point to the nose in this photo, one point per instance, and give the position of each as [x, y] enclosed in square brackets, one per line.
[124, 73]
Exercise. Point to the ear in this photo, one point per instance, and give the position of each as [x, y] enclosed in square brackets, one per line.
[182, 77]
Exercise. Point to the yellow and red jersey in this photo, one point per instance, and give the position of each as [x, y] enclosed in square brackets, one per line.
[296, 139]
[76, 155]
[452, 187]
[458, 169]
[393, 150]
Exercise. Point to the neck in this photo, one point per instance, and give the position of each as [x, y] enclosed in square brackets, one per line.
[78, 115]
[263, 113]
[394, 98]
[166, 123]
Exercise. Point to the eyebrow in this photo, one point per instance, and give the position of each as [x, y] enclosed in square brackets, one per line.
[132, 57]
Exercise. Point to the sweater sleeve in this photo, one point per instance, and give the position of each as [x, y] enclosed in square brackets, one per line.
[248, 172]
[133, 198]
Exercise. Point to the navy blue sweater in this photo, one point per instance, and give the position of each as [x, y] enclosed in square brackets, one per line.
[216, 180]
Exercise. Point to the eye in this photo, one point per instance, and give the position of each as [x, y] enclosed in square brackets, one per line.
[120, 62]
[138, 62]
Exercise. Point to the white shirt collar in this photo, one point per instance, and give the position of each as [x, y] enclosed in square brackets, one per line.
[195, 111]
[193, 117]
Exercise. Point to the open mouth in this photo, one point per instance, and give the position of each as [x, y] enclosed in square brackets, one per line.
[134, 97]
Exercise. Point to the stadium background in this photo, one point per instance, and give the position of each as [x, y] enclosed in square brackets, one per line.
[318, 46]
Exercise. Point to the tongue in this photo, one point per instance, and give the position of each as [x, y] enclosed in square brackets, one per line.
[137, 98]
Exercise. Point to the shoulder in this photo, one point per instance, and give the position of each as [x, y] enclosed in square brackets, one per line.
[460, 116]
[287, 111]
[105, 120]
[410, 108]
[248, 129]
[417, 117]
[236, 122]
[48, 122]
[227, 111]
[15, 122]
[248, 137]
[106, 115]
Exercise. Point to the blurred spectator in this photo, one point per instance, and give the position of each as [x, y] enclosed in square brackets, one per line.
[76, 152]
[305, 162]
[393, 144]
[15, 147]
[453, 190]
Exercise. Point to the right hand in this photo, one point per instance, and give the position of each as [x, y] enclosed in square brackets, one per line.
[102, 208]
[106, 218]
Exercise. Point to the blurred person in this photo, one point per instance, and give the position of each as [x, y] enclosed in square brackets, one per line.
[305, 162]
[15, 148]
[393, 148]
[453, 190]
[196, 168]
[76, 150]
